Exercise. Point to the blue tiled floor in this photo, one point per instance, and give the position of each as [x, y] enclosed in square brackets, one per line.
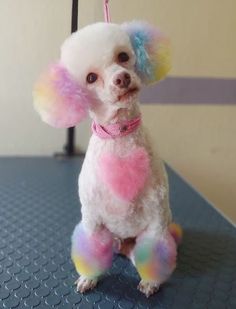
[38, 211]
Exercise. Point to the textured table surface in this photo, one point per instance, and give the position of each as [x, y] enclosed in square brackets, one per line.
[38, 211]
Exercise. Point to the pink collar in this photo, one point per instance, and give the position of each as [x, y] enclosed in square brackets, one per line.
[119, 129]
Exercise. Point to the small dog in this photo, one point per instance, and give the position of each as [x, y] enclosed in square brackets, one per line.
[123, 185]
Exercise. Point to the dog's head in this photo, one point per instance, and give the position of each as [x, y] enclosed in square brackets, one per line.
[101, 70]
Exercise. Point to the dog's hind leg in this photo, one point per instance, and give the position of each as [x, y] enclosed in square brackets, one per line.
[92, 255]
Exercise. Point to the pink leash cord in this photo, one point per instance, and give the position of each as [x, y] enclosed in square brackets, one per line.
[106, 11]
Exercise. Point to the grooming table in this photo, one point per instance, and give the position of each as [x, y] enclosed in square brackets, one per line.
[39, 209]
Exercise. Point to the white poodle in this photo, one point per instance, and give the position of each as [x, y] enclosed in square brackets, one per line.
[123, 185]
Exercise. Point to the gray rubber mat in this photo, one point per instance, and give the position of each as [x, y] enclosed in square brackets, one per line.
[38, 211]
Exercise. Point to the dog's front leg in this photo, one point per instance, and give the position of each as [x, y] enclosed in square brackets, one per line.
[91, 253]
[155, 259]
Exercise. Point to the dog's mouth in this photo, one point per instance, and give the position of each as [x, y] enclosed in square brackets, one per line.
[126, 96]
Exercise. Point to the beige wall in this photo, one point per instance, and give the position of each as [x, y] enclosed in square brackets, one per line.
[198, 141]
[31, 33]
[202, 32]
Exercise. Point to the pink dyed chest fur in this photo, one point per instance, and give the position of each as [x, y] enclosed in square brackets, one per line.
[125, 176]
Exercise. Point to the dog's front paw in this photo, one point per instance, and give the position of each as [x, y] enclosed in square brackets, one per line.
[148, 288]
[84, 284]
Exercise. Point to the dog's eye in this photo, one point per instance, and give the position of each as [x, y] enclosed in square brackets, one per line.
[123, 57]
[92, 77]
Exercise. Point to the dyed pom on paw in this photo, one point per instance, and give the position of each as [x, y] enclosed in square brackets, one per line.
[155, 260]
[176, 232]
[91, 254]
[59, 99]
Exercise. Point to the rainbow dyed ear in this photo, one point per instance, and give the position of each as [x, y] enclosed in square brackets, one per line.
[152, 51]
[59, 99]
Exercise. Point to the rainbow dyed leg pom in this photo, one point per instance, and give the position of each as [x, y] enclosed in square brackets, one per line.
[91, 254]
[155, 259]
[176, 232]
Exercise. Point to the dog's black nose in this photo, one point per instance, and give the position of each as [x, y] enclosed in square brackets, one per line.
[122, 80]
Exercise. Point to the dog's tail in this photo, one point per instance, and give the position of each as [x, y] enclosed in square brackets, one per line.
[176, 232]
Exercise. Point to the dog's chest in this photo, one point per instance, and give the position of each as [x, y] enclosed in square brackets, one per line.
[115, 172]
